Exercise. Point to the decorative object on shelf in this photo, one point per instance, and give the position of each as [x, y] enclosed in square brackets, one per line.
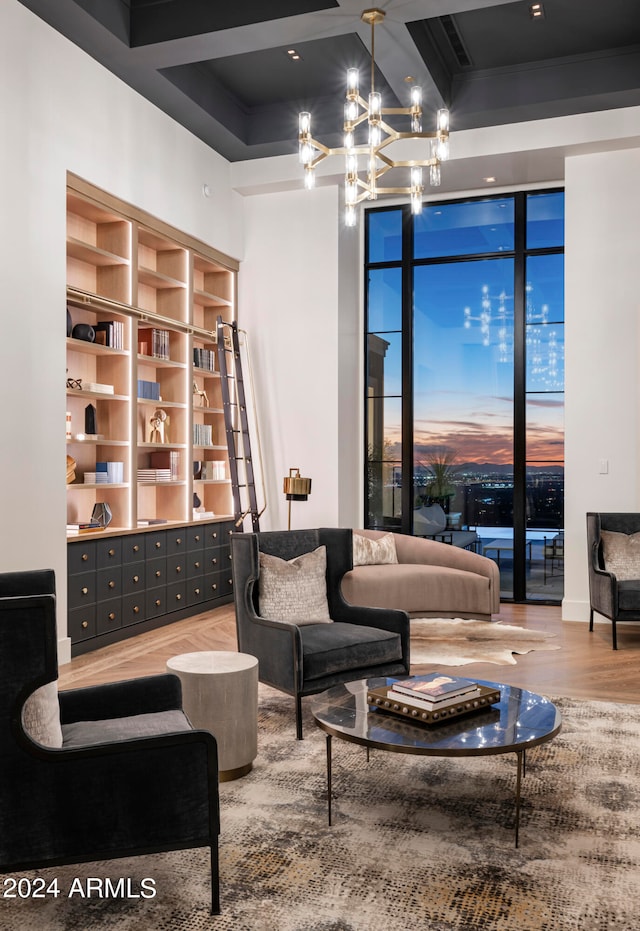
[201, 394]
[90, 420]
[102, 514]
[84, 331]
[75, 383]
[68, 425]
[69, 322]
[370, 150]
[296, 488]
[71, 470]
[197, 468]
[158, 432]
[196, 501]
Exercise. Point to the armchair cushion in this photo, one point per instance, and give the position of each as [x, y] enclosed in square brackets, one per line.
[368, 552]
[88, 733]
[621, 554]
[345, 647]
[296, 589]
[41, 716]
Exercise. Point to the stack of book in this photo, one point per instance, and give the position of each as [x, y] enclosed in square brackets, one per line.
[166, 459]
[434, 697]
[110, 333]
[97, 388]
[154, 475]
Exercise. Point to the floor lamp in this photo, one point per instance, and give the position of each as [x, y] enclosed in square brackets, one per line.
[296, 488]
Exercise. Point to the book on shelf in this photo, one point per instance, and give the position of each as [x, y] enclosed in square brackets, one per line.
[204, 359]
[88, 525]
[151, 521]
[110, 333]
[148, 390]
[434, 686]
[153, 342]
[97, 387]
[166, 459]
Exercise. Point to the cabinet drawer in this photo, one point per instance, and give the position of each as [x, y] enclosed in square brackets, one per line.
[81, 557]
[214, 559]
[133, 577]
[195, 591]
[176, 567]
[109, 616]
[212, 586]
[156, 602]
[133, 608]
[133, 548]
[176, 596]
[156, 572]
[109, 583]
[81, 589]
[82, 623]
[155, 544]
[195, 565]
[195, 538]
[109, 552]
[176, 541]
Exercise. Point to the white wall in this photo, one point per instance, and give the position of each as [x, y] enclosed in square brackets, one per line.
[62, 111]
[290, 307]
[602, 304]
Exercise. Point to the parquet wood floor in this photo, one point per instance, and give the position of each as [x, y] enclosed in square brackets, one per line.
[585, 666]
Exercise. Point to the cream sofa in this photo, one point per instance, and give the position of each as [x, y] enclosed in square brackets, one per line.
[430, 579]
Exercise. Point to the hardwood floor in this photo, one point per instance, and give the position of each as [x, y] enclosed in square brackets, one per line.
[585, 666]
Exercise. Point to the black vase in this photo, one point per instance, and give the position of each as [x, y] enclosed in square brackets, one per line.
[84, 331]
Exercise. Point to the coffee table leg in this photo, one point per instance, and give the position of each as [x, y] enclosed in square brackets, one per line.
[329, 776]
[520, 756]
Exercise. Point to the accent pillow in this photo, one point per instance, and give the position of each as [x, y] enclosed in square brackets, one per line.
[41, 716]
[621, 554]
[294, 590]
[368, 552]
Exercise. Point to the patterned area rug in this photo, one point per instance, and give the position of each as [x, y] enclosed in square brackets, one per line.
[417, 843]
[456, 642]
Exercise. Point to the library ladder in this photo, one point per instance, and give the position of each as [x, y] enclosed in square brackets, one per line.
[237, 423]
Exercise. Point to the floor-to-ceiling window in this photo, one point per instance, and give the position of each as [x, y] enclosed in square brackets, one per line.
[465, 373]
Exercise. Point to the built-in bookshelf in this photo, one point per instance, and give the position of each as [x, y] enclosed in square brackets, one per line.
[144, 405]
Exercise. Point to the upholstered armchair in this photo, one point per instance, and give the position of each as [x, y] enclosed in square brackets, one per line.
[296, 653]
[95, 773]
[614, 567]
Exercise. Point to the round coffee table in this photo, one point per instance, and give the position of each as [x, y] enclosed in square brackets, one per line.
[519, 721]
[220, 695]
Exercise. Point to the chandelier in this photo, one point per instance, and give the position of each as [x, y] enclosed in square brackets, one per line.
[366, 137]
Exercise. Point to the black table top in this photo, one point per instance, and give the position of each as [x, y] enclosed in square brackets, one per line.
[520, 720]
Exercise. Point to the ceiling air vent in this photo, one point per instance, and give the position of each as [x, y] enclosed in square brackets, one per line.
[455, 40]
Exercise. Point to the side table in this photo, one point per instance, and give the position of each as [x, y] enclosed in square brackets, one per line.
[220, 695]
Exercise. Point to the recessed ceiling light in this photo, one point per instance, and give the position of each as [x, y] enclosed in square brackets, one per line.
[536, 11]
[489, 180]
[293, 55]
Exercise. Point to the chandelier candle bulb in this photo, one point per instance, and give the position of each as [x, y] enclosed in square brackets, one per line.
[368, 109]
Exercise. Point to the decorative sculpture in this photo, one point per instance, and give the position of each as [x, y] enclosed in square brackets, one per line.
[204, 400]
[158, 432]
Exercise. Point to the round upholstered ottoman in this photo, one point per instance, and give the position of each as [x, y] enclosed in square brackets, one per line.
[220, 695]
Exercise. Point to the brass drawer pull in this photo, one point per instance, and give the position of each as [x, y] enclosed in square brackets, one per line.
[136, 548]
[197, 591]
[84, 625]
[197, 538]
[112, 552]
[136, 578]
[112, 616]
[178, 597]
[157, 602]
[214, 587]
[214, 561]
[178, 541]
[136, 609]
[85, 591]
[197, 565]
[112, 584]
[158, 573]
[84, 557]
[178, 569]
[158, 544]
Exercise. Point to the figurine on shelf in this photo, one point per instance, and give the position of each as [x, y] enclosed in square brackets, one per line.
[204, 400]
[158, 432]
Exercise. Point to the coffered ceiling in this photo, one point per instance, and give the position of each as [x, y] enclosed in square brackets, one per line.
[224, 70]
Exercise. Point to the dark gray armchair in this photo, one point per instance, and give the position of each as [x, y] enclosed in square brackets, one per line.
[618, 600]
[130, 777]
[304, 660]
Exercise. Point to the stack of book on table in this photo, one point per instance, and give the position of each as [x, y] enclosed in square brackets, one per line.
[433, 697]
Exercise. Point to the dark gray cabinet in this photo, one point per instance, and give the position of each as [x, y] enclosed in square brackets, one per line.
[119, 586]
